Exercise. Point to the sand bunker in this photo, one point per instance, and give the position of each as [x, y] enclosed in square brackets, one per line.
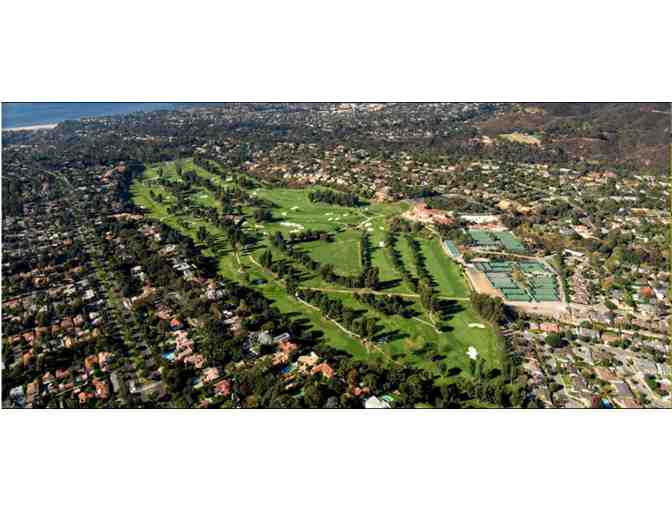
[292, 225]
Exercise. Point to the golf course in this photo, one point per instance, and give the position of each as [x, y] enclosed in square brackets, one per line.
[194, 200]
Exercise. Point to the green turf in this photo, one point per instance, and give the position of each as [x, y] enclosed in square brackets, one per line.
[343, 253]
[445, 272]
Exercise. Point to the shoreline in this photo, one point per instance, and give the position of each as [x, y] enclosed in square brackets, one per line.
[31, 128]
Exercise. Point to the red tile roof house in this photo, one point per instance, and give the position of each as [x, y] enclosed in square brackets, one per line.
[84, 397]
[606, 374]
[646, 292]
[90, 362]
[32, 390]
[627, 403]
[62, 373]
[26, 357]
[608, 338]
[549, 327]
[198, 360]
[183, 355]
[182, 342]
[357, 391]
[308, 361]
[287, 347]
[324, 369]
[209, 375]
[280, 358]
[223, 388]
[104, 359]
[47, 378]
[102, 389]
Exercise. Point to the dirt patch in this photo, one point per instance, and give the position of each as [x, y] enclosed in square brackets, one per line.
[481, 284]
[521, 138]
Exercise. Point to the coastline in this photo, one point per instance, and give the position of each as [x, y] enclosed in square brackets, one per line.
[31, 128]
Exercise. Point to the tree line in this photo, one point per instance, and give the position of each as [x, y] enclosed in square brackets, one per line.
[335, 198]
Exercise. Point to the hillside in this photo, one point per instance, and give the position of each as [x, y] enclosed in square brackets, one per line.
[636, 135]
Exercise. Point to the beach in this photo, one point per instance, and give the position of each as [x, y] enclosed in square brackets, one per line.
[31, 128]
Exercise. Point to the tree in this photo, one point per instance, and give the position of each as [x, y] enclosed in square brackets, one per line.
[555, 340]
[313, 395]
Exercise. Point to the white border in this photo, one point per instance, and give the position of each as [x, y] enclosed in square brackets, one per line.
[349, 50]
[307, 51]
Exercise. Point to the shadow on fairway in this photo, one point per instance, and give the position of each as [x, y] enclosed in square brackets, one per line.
[455, 371]
[390, 336]
[389, 284]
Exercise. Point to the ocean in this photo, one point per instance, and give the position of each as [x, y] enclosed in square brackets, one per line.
[16, 115]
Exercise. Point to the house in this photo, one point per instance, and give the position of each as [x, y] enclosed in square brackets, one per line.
[622, 389]
[284, 337]
[306, 362]
[280, 358]
[90, 362]
[17, 396]
[374, 402]
[198, 360]
[223, 388]
[102, 389]
[609, 338]
[358, 391]
[62, 373]
[287, 347]
[627, 403]
[324, 369]
[104, 359]
[84, 397]
[116, 384]
[210, 375]
[646, 292]
[265, 338]
[550, 327]
[605, 374]
[587, 333]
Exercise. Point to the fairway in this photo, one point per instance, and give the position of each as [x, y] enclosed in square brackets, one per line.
[445, 272]
[413, 341]
[342, 253]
